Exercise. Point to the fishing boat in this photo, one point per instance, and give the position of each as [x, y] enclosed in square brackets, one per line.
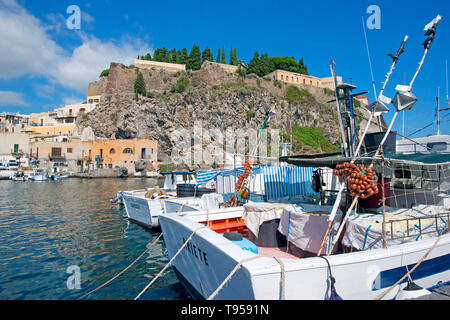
[144, 206]
[39, 175]
[19, 176]
[328, 253]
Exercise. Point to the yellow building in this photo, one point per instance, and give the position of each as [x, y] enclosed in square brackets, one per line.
[113, 153]
[303, 79]
[58, 130]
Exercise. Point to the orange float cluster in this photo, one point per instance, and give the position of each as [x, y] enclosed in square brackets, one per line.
[360, 180]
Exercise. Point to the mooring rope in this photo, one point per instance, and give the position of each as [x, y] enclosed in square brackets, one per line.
[283, 279]
[236, 268]
[121, 272]
[169, 263]
[381, 295]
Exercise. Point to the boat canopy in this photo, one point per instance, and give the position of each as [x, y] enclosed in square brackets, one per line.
[325, 160]
[203, 177]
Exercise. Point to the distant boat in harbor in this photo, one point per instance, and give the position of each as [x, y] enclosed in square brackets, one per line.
[39, 175]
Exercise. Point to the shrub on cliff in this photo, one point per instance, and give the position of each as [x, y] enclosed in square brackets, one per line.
[180, 86]
[139, 84]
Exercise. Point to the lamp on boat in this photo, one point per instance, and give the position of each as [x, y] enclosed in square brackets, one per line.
[403, 100]
[377, 108]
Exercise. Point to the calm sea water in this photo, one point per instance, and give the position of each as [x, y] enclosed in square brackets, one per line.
[47, 227]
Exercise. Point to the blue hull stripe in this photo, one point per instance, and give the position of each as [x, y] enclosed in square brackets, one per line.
[427, 268]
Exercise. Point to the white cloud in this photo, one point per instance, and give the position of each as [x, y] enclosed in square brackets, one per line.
[27, 48]
[12, 99]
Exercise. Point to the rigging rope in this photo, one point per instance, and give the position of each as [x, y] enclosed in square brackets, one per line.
[169, 263]
[121, 272]
[381, 295]
[236, 268]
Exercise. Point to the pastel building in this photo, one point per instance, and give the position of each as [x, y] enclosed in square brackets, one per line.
[303, 79]
[112, 153]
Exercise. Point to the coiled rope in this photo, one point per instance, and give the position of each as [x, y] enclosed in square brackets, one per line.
[121, 272]
[169, 263]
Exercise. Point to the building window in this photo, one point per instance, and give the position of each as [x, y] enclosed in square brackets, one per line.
[304, 81]
[69, 150]
[128, 150]
[297, 79]
[112, 151]
[310, 82]
[281, 77]
[292, 78]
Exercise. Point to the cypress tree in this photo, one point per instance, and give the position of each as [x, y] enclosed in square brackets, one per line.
[223, 56]
[236, 61]
[254, 65]
[194, 61]
[139, 84]
[206, 55]
[301, 67]
[218, 56]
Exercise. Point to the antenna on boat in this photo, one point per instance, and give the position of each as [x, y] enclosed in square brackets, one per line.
[436, 112]
[370, 67]
[338, 106]
[446, 82]
[403, 100]
[374, 108]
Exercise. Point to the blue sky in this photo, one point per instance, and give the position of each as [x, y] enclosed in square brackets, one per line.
[44, 65]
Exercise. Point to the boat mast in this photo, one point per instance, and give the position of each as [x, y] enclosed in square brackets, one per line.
[403, 100]
[437, 112]
[375, 108]
[338, 106]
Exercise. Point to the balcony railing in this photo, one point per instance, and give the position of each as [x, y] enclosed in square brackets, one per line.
[18, 152]
[56, 156]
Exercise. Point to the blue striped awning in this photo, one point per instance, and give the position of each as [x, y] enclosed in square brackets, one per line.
[281, 182]
[203, 177]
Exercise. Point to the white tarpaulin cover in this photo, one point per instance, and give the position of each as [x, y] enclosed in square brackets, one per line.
[364, 231]
[256, 213]
[305, 225]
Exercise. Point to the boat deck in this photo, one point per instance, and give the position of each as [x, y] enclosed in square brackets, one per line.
[275, 253]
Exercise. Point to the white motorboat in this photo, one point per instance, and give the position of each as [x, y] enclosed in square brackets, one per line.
[39, 175]
[19, 176]
[144, 206]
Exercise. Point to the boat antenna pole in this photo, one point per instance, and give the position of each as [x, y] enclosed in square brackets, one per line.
[446, 82]
[375, 107]
[370, 67]
[403, 100]
[338, 106]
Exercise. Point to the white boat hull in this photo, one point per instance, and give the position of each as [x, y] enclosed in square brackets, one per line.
[39, 178]
[209, 258]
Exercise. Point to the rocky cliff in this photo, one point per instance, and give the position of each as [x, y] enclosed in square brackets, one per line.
[217, 98]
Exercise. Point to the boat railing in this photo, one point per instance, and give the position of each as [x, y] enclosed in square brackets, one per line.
[417, 221]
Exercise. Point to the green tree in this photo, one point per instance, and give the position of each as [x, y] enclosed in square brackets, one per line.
[301, 67]
[206, 55]
[148, 57]
[223, 56]
[194, 60]
[139, 84]
[184, 56]
[253, 65]
[172, 56]
[104, 73]
[235, 59]
[218, 56]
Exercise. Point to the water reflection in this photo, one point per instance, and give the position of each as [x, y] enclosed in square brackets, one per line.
[45, 227]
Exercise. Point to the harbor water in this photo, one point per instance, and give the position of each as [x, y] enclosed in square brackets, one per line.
[55, 231]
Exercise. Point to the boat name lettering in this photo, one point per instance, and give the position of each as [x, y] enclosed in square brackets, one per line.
[196, 252]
